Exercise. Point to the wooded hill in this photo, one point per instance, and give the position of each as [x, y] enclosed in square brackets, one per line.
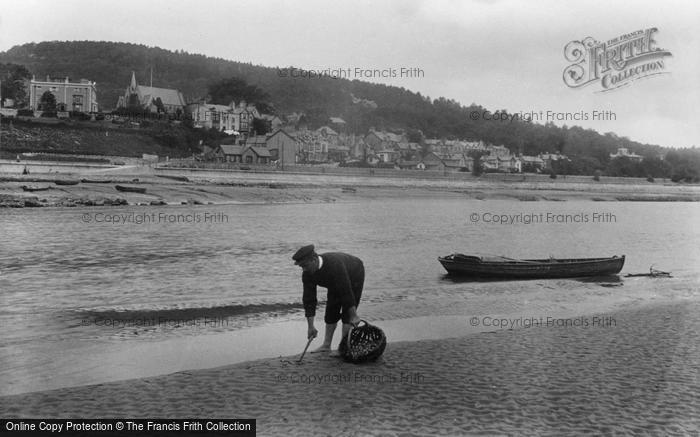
[361, 104]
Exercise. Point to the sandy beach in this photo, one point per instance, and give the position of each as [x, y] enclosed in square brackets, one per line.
[634, 372]
[185, 186]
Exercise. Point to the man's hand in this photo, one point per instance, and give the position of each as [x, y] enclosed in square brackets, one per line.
[312, 333]
[354, 318]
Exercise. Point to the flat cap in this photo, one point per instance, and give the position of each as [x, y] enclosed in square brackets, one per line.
[303, 253]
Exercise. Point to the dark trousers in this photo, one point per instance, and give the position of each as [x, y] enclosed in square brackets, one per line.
[334, 306]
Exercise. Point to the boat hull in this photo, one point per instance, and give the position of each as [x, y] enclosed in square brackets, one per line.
[474, 266]
[126, 189]
[96, 181]
[33, 189]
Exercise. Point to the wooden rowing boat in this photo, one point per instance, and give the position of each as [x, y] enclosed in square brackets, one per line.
[96, 181]
[175, 178]
[497, 267]
[128, 189]
[33, 188]
[65, 182]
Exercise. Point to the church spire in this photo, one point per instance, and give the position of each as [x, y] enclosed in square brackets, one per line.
[133, 81]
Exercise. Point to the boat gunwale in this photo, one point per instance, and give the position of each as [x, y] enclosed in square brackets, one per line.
[575, 267]
[529, 262]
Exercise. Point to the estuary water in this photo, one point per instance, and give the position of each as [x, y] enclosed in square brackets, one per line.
[80, 281]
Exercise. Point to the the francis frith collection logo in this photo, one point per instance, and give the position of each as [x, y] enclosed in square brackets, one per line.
[614, 63]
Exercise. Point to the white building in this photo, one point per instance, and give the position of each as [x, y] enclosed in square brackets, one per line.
[622, 152]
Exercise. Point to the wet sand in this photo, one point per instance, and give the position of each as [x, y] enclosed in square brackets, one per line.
[636, 372]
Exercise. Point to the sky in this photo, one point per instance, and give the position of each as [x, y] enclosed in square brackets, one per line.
[500, 54]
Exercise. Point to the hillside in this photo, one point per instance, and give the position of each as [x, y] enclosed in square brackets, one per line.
[362, 105]
[110, 65]
[103, 139]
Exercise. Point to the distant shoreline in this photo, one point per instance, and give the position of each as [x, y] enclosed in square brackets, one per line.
[170, 186]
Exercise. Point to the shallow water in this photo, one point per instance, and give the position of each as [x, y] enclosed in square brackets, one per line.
[80, 278]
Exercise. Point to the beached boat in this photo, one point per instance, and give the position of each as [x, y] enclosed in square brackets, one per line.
[127, 189]
[33, 188]
[65, 182]
[175, 178]
[498, 267]
[96, 181]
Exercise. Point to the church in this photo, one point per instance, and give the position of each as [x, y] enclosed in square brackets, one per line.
[152, 99]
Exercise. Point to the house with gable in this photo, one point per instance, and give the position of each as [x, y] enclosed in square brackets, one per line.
[283, 147]
[229, 153]
[327, 132]
[408, 150]
[500, 159]
[208, 116]
[256, 141]
[332, 138]
[312, 146]
[243, 116]
[273, 122]
[432, 161]
[256, 155]
[384, 140]
[509, 164]
[531, 164]
[457, 162]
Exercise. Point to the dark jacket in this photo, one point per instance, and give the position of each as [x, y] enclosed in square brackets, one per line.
[339, 273]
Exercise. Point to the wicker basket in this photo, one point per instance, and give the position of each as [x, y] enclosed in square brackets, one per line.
[363, 343]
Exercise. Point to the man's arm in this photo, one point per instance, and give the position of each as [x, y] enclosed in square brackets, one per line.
[308, 298]
[310, 301]
[347, 297]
